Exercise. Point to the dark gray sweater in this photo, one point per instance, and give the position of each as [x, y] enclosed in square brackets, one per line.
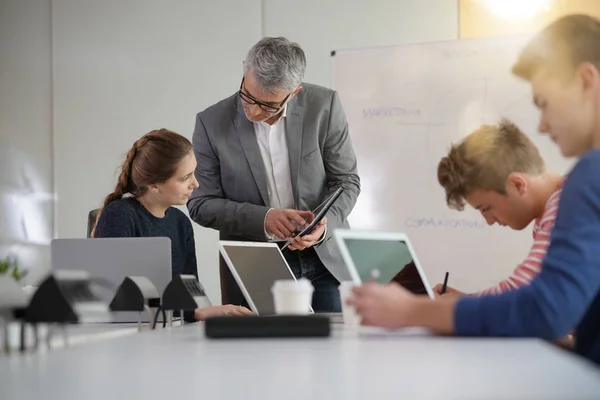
[129, 218]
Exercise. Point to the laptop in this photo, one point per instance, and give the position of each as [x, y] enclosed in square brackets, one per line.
[110, 260]
[390, 254]
[256, 266]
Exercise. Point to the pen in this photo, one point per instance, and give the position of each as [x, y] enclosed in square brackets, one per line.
[445, 283]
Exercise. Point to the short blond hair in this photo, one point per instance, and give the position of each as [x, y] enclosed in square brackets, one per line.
[561, 47]
[485, 159]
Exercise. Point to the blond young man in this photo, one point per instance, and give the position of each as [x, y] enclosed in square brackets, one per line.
[498, 171]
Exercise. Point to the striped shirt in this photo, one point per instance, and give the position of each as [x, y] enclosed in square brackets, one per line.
[528, 269]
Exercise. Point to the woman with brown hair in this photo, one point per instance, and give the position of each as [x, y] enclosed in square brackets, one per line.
[157, 174]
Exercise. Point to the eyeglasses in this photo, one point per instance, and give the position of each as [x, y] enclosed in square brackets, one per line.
[265, 107]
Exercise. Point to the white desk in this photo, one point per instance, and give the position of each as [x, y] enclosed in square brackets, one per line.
[76, 334]
[180, 362]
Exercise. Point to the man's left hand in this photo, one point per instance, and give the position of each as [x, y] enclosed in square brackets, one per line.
[309, 240]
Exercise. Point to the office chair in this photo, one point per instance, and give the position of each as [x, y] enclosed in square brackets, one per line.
[92, 216]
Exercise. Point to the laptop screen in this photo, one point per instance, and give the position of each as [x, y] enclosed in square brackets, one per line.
[258, 267]
[392, 258]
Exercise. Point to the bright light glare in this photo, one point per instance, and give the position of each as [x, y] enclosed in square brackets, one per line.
[515, 10]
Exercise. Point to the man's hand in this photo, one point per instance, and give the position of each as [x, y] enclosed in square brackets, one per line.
[200, 314]
[306, 241]
[283, 222]
[437, 289]
[388, 306]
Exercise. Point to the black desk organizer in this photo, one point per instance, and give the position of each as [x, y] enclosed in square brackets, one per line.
[279, 326]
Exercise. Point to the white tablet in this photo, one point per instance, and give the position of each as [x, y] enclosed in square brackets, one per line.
[390, 254]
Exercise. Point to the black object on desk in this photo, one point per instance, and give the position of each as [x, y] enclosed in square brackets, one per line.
[134, 294]
[276, 326]
[66, 297]
[183, 293]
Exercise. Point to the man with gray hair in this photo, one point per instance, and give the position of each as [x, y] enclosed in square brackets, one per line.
[269, 154]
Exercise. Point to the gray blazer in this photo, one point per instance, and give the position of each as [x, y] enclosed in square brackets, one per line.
[232, 196]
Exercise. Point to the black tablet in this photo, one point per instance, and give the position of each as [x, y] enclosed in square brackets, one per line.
[319, 213]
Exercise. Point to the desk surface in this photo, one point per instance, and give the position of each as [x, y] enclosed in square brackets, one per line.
[181, 361]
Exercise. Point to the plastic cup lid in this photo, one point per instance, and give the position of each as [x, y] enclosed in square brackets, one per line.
[301, 284]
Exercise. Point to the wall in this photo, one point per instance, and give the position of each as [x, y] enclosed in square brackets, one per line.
[26, 201]
[124, 68]
[321, 26]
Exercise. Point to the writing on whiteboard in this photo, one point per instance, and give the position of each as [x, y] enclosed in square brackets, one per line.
[390, 112]
[430, 222]
[465, 52]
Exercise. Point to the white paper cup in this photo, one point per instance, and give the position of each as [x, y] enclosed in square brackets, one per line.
[292, 297]
[351, 318]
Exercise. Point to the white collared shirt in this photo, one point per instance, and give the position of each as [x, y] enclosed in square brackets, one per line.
[273, 148]
[272, 144]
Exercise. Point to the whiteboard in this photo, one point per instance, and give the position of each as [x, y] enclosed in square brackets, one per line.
[405, 105]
